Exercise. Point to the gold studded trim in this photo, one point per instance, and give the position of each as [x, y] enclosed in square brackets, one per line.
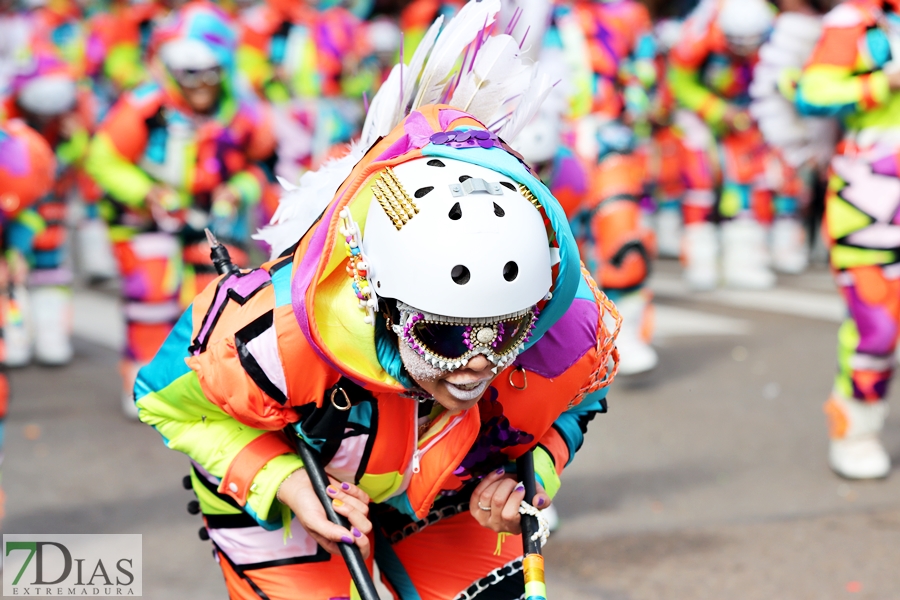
[529, 196]
[390, 194]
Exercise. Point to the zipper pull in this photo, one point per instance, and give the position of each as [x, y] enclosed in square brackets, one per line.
[415, 461]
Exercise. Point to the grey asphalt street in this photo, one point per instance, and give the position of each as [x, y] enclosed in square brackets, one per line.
[707, 479]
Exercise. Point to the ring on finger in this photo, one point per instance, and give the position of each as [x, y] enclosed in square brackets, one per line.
[486, 509]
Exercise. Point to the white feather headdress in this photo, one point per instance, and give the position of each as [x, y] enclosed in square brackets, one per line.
[493, 82]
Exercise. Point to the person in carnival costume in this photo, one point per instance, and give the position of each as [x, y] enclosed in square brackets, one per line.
[425, 321]
[711, 71]
[46, 96]
[610, 52]
[854, 75]
[174, 156]
[27, 171]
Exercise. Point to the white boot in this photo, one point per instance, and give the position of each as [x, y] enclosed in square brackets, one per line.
[790, 251]
[52, 310]
[745, 255]
[636, 355]
[668, 231]
[700, 251]
[855, 451]
[94, 250]
[17, 329]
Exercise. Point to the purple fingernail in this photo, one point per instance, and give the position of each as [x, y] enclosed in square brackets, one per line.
[540, 501]
[331, 490]
[346, 540]
[345, 486]
[356, 532]
[501, 471]
[520, 488]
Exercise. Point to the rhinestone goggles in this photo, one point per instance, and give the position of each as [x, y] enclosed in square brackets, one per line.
[448, 342]
[194, 78]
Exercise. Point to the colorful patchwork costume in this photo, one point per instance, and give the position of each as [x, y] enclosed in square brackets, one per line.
[847, 77]
[709, 77]
[46, 95]
[150, 138]
[261, 356]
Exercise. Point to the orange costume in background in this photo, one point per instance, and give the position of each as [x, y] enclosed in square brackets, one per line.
[614, 58]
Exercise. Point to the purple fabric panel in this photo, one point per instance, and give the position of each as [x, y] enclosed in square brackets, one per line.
[134, 286]
[13, 155]
[401, 146]
[243, 286]
[569, 175]
[418, 130]
[447, 116]
[61, 276]
[885, 166]
[565, 343]
[877, 330]
[307, 269]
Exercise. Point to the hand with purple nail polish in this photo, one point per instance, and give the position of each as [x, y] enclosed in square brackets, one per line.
[496, 500]
[348, 501]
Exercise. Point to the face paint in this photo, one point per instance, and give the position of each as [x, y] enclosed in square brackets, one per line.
[417, 367]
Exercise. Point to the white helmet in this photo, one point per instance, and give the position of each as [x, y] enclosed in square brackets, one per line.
[48, 95]
[186, 54]
[746, 24]
[473, 245]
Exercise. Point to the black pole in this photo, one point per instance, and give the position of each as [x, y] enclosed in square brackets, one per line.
[352, 556]
[525, 470]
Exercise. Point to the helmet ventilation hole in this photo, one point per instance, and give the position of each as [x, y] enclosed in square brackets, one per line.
[435, 163]
[508, 185]
[422, 191]
[455, 212]
[460, 275]
[464, 177]
[499, 211]
[510, 271]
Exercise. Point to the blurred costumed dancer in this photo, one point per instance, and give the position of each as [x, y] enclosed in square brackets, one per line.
[505, 350]
[117, 56]
[27, 171]
[610, 51]
[711, 70]
[176, 155]
[855, 75]
[47, 97]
